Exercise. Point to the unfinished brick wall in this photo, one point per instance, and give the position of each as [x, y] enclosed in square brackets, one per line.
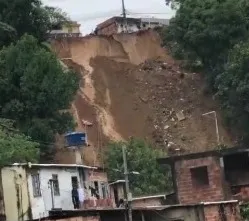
[187, 192]
[109, 29]
[222, 212]
[97, 176]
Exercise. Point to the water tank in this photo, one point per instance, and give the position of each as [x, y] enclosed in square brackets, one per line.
[75, 139]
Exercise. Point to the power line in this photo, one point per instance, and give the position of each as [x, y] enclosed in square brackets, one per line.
[147, 13]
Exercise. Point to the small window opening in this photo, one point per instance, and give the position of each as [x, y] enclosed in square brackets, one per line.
[36, 185]
[199, 176]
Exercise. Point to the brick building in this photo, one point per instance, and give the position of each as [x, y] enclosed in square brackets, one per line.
[117, 25]
[210, 176]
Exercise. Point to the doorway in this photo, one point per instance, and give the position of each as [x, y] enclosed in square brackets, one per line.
[74, 180]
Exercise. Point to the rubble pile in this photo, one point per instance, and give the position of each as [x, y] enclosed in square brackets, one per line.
[131, 87]
[177, 101]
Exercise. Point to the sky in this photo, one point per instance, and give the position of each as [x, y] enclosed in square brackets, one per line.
[89, 13]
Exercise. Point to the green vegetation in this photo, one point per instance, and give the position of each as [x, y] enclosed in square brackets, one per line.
[14, 146]
[28, 17]
[141, 157]
[34, 87]
[244, 211]
[212, 35]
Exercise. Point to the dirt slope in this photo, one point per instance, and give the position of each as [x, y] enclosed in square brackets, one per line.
[131, 87]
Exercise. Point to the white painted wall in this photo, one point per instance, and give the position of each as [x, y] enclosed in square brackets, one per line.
[41, 205]
[131, 28]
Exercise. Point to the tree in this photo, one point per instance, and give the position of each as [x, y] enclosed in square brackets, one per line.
[141, 157]
[7, 34]
[233, 89]
[14, 146]
[28, 17]
[214, 34]
[56, 17]
[205, 31]
[34, 89]
[25, 16]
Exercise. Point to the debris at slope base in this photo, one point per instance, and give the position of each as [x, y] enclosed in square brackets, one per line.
[134, 88]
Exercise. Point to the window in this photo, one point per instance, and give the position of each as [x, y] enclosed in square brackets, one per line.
[199, 176]
[104, 189]
[56, 185]
[36, 185]
[94, 187]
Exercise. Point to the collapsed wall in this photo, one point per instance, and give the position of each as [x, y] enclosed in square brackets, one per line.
[131, 87]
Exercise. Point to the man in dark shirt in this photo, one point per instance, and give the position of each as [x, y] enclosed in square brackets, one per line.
[75, 198]
[94, 192]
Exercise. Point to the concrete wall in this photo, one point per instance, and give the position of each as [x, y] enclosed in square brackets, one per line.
[222, 212]
[130, 28]
[41, 205]
[187, 193]
[106, 199]
[147, 202]
[15, 193]
[110, 29]
[113, 27]
[181, 213]
[74, 29]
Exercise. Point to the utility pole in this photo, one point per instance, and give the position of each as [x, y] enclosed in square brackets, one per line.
[128, 194]
[124, 15]
[123, 10]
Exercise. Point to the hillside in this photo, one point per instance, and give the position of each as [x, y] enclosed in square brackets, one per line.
[131, 87]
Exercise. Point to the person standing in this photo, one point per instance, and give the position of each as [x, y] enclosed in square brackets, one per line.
[75, 197]
[81, 195]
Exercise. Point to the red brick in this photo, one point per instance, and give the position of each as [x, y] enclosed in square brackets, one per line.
[189, 194]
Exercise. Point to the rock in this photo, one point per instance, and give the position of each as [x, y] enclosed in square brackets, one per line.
[170, 144]
[145, 100]
[166, 127]
[165, 142]
[182, 75]
[183, 138]
[180, 116]
[86, 123]
[164, 66]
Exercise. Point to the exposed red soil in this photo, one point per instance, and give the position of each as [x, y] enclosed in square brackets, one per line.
[131, 87]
